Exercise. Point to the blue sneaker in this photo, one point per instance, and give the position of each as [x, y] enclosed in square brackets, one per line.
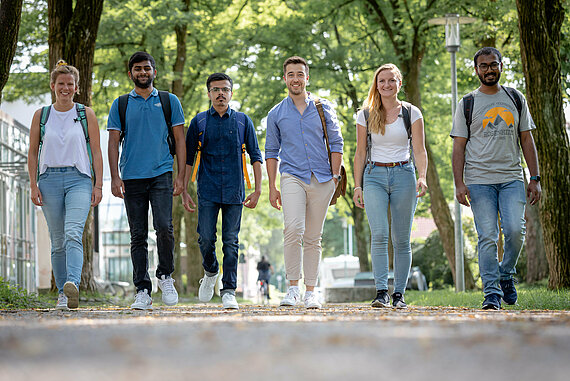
[492, 302]
[509, 291]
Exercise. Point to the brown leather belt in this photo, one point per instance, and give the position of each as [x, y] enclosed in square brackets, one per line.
[389, 164]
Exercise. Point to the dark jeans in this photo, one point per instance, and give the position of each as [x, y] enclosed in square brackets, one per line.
[231, 222]
[138, 194]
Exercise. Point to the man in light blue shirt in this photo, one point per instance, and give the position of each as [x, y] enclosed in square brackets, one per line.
[295, 136]
[146, 173]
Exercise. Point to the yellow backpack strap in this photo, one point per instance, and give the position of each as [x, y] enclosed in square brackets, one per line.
[241, 130]
[245, 174]
[202, 120]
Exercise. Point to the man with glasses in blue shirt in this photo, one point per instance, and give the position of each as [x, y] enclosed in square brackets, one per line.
[488, 125]
[295, 136]
[219, 135]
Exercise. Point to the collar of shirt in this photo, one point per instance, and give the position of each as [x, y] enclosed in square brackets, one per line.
[153, 93]
[227, 114]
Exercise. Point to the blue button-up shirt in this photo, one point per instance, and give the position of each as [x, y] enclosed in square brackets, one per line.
[298, 140]
[220, 173]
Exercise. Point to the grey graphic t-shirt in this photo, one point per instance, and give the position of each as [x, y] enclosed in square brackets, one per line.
[492, 153]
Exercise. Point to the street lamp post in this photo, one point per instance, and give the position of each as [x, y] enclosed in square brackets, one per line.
[452, 43]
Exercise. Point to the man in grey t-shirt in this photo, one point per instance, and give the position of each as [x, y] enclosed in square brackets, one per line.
[488, 173]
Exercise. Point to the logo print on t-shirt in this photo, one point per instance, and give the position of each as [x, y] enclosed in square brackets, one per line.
[497, 114]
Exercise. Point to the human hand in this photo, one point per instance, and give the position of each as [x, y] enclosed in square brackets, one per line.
[252, 199]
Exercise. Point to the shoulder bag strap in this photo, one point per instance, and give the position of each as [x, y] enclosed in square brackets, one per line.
[319, 106]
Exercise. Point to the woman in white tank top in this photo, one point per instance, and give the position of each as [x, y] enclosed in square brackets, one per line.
[386, 178]
[65, 188]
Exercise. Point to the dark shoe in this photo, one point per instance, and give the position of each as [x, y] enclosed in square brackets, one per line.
[382, 299]
[398, 300]
[509, 291]
[492, 302]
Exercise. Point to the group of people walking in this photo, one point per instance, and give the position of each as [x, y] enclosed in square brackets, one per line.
[65, 169]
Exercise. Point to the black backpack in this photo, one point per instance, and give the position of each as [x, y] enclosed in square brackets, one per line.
[469, 100]
[166, 110]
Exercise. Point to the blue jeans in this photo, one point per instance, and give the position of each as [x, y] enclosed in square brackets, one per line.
[394, 186]
[66, 195]
[487, 203]
[139, 193]
[231, 221]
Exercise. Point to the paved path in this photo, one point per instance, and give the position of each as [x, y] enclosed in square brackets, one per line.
[339, 342]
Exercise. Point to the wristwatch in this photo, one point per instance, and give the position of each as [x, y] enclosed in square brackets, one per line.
[535, 178]
[337, 177]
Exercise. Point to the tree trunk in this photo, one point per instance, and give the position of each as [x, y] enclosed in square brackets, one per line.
[194, 270]
[540, 22]
[362, 242]
[536, 262]
[72, 36]
[10, 16]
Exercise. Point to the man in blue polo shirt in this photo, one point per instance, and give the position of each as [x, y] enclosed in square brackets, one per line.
[221, 133]
[146, 175]
[295, 135]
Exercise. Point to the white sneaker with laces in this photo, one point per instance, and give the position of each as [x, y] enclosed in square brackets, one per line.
[61, 302]
[70, 290]
[292, 298]
[169, 294]
[229, 302]
[312, 302]
[143, 301]
[206, 290]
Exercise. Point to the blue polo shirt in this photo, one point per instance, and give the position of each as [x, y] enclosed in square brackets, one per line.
[220, 172]
[145, 153]
[298, 140]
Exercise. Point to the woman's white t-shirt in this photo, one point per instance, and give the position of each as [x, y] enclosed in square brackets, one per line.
[64, 142]
[394, 145]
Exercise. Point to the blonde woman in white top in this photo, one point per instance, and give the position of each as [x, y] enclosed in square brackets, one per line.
[384, 175]
[65, 188]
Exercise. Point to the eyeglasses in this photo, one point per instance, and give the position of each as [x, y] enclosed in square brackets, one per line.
[217, 89]
[493, 65]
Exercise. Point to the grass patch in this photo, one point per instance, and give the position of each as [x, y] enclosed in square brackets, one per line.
[530, 297]
[14, 297]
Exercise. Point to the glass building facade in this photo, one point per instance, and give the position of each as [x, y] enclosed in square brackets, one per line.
[17, 214]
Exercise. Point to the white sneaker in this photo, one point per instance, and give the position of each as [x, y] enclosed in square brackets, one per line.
[143, 301]
[70, 290]
[61, 302]
[206, 290]
[229, 301]
[312, 302]
[169, 294]
[292, 298]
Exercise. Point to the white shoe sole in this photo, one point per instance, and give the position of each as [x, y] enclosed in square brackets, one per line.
[72, 293]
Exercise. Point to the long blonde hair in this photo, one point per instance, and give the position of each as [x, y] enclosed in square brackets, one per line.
[377, 119]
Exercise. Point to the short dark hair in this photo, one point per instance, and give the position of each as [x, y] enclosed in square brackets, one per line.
[219, 77]
[487, 51]
[140, 57]
[295, 60]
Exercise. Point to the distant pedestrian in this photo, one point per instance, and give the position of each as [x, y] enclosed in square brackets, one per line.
[488, 126]
[264, 271]
[221, 136]
[66, 177]
[295, 136]
[150, 137]
[384, 177]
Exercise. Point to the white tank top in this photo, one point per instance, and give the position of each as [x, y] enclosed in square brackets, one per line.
[64, 142]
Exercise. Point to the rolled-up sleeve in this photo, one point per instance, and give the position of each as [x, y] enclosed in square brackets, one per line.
[336, 141]
[251, 144]
[272, 137]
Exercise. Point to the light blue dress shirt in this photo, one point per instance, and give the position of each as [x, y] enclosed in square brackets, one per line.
[298, 140]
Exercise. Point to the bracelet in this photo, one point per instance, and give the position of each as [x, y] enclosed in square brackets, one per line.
[357, 188]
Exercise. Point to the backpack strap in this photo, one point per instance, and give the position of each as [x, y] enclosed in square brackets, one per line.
[164, 97]
[407, 115]
[82, 118]
[468, 101]
[202, 119]
[368, 138]
[43, 120]
[240, 119]
[123, 101]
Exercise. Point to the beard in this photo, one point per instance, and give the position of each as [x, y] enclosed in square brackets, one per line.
[143, 85]
[491, 80]
[296, 91]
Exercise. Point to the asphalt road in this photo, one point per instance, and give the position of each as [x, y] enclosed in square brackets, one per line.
[339, 342]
